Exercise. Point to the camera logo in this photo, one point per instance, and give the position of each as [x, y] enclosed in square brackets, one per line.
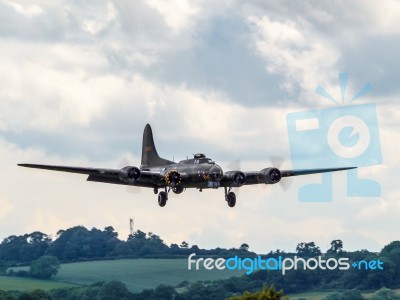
[342, 136]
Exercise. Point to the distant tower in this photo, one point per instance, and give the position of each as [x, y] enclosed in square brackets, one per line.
[131, 226]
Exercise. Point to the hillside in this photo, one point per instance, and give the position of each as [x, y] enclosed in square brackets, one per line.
[136, 274]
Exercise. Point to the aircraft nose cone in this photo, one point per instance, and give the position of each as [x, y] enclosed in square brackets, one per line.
[216, 173]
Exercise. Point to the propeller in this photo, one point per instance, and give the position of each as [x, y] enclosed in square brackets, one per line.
[234, 165]
[173, 178]
[129, 188]
[285, 182]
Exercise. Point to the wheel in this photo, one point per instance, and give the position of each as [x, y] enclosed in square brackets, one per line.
[231, 199]
[162, 198]
[177, 189]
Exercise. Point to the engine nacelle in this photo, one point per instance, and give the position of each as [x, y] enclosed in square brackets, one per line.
[237, 177]
[177, 189]
[271, 175]
[173, 178]
[129, 174]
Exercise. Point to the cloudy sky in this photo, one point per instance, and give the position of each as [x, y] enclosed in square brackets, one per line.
[80, 79]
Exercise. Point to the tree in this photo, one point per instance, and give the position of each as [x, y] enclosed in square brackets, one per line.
[3, 266]
[164, 292]
[6, 296]
[37, 294]
[336, 247]
[174, 249]
[24, 248]
[44, 267]
[139, 235]
[308, 249]
[114, 290]
[184, 245]
[391, 254]
[267, 293]
[244, 247]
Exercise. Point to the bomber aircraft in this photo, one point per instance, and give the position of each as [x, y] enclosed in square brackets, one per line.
[199, 172]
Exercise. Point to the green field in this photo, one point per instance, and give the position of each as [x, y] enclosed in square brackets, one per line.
[137, 274]
[27, 284]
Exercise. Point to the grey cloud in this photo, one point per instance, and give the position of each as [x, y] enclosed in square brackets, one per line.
[223, 61]
[212, 64]
[52, 24]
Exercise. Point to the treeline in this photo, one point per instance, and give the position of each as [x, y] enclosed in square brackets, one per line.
[80, 244]
[115, 290]
[300, 280]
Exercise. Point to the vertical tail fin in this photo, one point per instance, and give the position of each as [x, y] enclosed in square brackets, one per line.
[150, 156]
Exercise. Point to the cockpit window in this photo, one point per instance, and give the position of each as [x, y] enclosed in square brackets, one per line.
[198, 161]
[202, 161]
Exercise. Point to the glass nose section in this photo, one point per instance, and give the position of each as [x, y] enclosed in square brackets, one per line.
[216, 173]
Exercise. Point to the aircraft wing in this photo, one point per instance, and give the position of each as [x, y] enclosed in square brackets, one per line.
[79, 170]
[289, 173]
[237, 178]
[100, 174]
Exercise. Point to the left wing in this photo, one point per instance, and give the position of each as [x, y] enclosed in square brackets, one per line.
[269, 175]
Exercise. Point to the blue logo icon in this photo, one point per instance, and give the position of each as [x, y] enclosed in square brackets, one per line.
[341, 136]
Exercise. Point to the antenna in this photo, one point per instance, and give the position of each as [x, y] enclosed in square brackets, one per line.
[131, 223]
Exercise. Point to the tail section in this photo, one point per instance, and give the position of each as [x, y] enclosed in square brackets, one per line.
[150, 156]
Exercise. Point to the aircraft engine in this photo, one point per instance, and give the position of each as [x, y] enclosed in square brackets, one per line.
[129, 174]
[271, 175]
[173, 178]
[237, 177]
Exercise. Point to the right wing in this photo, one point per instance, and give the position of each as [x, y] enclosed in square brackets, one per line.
[146, 179]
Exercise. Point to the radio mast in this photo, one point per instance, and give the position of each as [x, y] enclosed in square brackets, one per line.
[131, 223]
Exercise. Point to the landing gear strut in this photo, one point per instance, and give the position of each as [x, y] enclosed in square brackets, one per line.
[230, 197]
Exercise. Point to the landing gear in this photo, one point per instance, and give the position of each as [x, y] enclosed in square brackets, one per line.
[162, 198]
[230, 197]
[163, 195]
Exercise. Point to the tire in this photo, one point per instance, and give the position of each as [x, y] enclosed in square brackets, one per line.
[231, 199]
[162, 198]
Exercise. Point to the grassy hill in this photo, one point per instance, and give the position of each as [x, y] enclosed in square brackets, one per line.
[137, 274]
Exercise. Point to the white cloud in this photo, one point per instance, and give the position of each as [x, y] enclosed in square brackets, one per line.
[99, 19]
[377, 17]
[24, 9]
[294, 50]
[177, 13]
